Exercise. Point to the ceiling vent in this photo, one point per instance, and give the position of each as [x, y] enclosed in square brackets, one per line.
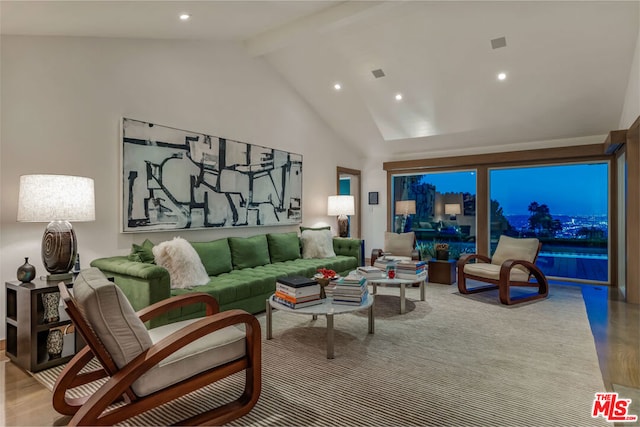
[498, 43]
[378, 73]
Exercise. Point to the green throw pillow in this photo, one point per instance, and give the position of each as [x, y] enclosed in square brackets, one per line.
[247, 252]
[142, 253]
[283, 246]
[215, 256]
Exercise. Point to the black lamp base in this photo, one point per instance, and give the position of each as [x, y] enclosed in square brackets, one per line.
[343, 226]
[59, 249]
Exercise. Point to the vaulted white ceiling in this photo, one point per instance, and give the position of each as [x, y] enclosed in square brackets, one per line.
[567, 63]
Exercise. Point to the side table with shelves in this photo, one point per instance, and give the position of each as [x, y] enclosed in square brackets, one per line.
[27, 331]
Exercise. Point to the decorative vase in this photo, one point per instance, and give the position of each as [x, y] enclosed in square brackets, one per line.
[51, 302]
[442, 251]
[391, 273]
[323, 282]
[26, 272]
[55, 341]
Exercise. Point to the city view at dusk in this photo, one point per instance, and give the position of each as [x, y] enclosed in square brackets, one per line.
[576, 195]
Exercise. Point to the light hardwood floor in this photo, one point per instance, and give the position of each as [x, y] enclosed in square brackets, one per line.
[616, 330]
[615, 326]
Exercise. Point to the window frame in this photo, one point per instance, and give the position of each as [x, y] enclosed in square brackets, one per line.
[483, 162]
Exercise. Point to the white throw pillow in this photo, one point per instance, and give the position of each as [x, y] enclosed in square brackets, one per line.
[183, 263]
[317, 244]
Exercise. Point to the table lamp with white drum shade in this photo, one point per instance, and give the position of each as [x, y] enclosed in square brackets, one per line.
[404, 208]
[341, 206]
[58, 200]
[452, 209]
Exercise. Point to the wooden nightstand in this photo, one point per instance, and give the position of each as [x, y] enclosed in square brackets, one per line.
[443, 272]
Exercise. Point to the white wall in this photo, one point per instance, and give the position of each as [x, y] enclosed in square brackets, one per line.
[374, 217]
[62, 100]
[631, 109]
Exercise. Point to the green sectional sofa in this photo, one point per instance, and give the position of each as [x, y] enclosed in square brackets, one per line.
[243, 271]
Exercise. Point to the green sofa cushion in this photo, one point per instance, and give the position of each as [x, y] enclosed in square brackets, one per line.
[283, 246]
[142, 253]
[249, 288]
[215, 256]
[247, 252]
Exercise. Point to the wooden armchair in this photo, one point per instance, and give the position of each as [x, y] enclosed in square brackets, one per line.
[513, 264]
[399, 246]
[145, 369]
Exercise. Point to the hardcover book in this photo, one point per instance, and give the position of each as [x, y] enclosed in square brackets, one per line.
[412, 276]
[297, 305]
[351, 300]
[296, 300]
[370, 272]
[298, 292]
[297, 281]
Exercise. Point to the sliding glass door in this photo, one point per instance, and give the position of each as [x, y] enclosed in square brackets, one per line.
[565, 206]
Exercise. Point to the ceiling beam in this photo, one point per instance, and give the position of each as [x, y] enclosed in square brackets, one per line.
[327, 19]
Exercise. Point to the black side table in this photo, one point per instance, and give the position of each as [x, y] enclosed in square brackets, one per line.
[443, 272]
[27, 330]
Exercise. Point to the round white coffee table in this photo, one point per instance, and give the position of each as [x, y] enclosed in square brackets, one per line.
[402, 283]
[326, 308]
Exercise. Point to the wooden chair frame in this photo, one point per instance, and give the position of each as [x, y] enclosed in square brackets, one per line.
[504, 283]
[90, 410]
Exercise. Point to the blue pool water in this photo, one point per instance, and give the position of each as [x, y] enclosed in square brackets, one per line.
[577, 266]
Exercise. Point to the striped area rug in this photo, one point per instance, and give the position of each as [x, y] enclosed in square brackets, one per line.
[451, 360]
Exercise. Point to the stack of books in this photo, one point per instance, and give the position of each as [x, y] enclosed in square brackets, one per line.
[350, 290]
[384, 264]
[297, 292]
[370, 272]
[411, 270]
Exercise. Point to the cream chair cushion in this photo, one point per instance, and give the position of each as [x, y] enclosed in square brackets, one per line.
[212, 350]
[519, 249]
[492, 271]
[124, 336]
[399, 245]
[107, 310]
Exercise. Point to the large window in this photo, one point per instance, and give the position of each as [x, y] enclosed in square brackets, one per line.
[566, 207]
[559, 195]
[439, 208]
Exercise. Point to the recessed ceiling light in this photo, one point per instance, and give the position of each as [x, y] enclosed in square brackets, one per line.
[398, 97]
[502, 76]
[185, 17]
[337, 86]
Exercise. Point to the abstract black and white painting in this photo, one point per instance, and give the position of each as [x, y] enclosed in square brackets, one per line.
[174, 179]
